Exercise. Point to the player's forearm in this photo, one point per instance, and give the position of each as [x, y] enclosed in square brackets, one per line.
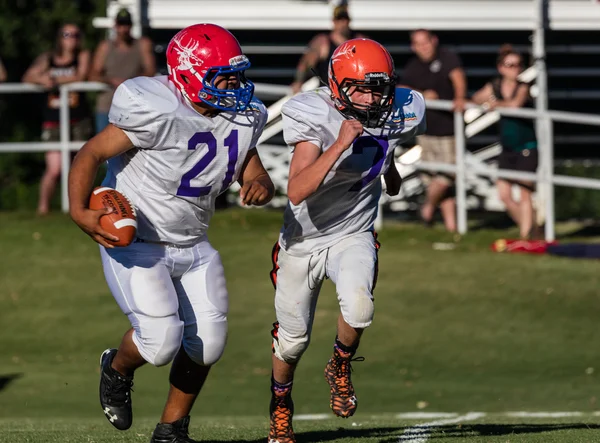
[81, 179]
[270, 187]
[307, 181]
[263, 188]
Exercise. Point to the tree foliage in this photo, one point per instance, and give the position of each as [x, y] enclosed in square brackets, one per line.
[27, 29]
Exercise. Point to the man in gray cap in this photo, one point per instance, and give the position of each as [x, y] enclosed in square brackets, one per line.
[118, 60]
[321, 48]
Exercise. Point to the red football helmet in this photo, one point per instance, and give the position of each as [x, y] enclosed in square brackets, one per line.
[200, 53]
[362, 63]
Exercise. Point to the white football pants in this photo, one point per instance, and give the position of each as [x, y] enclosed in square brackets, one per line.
[352, 266]
[172, 296]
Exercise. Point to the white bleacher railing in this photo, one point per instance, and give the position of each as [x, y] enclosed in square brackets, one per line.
[65, 145]
[467, 169]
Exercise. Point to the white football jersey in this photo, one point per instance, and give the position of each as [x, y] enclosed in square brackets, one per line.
[182, 160]
[347, 201]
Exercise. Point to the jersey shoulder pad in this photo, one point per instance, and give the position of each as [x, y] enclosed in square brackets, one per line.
[308, 106]
[258, 106]
[304, 117]
[409, 106]
[150, 93]
[258, 112]
[141, 107]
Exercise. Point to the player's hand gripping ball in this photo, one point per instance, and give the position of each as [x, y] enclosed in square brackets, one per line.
[121, 222]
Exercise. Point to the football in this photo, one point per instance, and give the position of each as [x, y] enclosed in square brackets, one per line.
[122, 221]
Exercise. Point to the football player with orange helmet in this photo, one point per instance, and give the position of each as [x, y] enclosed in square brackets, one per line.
[343, 138]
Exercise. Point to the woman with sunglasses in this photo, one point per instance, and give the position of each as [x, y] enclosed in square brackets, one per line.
[65, 64]
[517, 136]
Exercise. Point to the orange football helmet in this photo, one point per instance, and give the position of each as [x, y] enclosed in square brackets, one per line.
[362, 62]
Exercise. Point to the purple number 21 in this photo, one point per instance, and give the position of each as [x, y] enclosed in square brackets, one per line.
[382, 145]
[185, 188]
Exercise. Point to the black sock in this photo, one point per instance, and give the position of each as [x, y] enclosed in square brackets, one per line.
[345, 349]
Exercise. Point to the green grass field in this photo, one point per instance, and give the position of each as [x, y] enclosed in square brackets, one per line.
[455, 332]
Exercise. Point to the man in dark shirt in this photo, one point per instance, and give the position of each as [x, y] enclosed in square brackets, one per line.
[438, 74]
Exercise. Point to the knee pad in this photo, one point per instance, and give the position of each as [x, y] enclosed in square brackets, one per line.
[358, 311]
[287, 348]
[205, 343]
[159, 339]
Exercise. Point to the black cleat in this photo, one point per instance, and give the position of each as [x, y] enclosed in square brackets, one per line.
[176, 432]
[115, 393]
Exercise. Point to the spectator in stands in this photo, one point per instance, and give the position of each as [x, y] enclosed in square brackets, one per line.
[321, 48]
[66, 63]
[118, 60]
[517, 136]
[2, 72]
[438, 74]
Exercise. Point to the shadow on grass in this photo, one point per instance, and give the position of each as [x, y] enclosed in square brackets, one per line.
[591, 230]
[337, 434]
[468, 431]
[499, 221]
[438, 433]
[5, 380]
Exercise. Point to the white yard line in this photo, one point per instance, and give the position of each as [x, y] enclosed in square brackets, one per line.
[420, 433]
[420, 415]
[424, 415]
[403, 415]
[313, 416]
[527, 414]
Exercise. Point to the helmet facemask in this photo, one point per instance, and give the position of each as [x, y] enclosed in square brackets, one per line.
[235, 100]
[376, 114]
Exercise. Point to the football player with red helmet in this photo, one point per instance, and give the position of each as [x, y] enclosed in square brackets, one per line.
[174, 144]
[343, 138]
